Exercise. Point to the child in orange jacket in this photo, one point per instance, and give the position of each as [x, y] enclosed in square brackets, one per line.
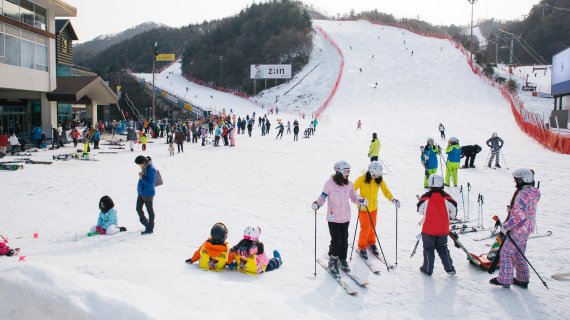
[214, 254]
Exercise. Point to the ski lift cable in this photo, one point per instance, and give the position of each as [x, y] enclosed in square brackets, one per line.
[519, 39]
[535, 52]
[557, 8]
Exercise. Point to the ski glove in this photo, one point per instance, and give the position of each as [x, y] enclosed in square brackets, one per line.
[504, 230]
[396, 202]
[315, 206]
[189, 261]
[363, 203]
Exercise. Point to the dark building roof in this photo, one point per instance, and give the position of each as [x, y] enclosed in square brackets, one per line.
[62, 24]
[82, 90]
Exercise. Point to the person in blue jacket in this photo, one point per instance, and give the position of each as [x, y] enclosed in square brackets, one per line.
[429, 159]
[107, 222]
[96, 139]
[146, 192]
[453, 158]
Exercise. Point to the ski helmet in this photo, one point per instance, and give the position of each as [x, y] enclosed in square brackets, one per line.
[494, 134]
[106, 204]
[374, 136]
[219, 233]
[523, 176]
[453, 140]
[435, 181]
[375, 169]
[141, 159]
[430, 140]
[340, 166]
[251, 233]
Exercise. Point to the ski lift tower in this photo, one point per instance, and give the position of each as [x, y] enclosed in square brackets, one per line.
[472, 2]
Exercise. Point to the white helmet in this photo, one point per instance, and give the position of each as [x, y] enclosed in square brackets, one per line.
[375, 169]
[251, 233]
[435, 181]
[341, 165]
[494, 134]
[453, 140]
[430, 140]
[524, 175]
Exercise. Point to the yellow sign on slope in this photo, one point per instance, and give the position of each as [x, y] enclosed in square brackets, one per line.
[166, 57]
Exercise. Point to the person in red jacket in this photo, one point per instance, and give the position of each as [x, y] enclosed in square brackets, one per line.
[437, 207]
[3, 142]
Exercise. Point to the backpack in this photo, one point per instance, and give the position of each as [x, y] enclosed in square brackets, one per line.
[158, 179]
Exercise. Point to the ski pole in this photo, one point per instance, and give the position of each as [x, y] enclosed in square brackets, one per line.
[419, 236]
[315, 243]
[354, 239]
[522, 254]
[481, 214]
[462, 201]
[468, 199]
[506, 165]
[385, 166]
[377, 239]
[487, 159]
[396, 235]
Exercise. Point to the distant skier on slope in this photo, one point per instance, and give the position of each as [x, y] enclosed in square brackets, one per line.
[438, 208]
[441, 130]
[359, 125]
[374, 148]
[495, 143]
[520, 223]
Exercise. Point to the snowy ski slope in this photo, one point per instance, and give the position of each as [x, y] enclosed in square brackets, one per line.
[271, 183]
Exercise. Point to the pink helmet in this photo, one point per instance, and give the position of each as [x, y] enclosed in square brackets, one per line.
[251, 233]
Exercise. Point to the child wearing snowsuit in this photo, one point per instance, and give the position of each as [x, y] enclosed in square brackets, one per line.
[107, 221]
[495, 143]
[250, 254]
[144, 140]
[337, 191]
[437, 208]
[429, 159]
[519, 225]
[453, 158]
[86, 138]
[374, 148]
[214, 254]
[369, 184]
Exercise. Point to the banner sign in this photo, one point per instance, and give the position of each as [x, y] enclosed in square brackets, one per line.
[166, 57]
[270, 71]
[187, 107]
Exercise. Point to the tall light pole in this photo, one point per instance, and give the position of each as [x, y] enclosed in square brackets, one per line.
[472, 2]
[154, 53]
[126, 61]
[221, 69]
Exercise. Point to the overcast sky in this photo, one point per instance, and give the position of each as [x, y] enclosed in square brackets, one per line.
[96, 17]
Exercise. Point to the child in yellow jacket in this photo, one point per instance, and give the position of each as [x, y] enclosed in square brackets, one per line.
[369, 184]
[214, 254]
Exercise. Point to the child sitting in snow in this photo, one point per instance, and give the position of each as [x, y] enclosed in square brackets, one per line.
[107, 222]
[214, 253]
[7, 251]
[250, 254]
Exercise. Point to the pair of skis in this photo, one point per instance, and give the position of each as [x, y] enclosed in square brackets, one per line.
[494, 234]
[348, 288]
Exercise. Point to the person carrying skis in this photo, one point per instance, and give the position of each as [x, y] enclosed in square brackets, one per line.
[214, 254]
[495, 143]
[441, 130]
[374, 148]
[517, 228]
[437, 208]
[453, 158]
[429, 159]
[250, 253]
[369, 184]
[470, 152]
[337, 191]
[107, 221]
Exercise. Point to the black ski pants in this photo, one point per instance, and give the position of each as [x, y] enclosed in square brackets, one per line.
[431, 244]
[339, 239]
[147, 201]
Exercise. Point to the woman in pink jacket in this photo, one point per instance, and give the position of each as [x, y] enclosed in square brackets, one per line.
[338, 190]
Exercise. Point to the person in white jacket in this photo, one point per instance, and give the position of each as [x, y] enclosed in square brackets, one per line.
[14, 142]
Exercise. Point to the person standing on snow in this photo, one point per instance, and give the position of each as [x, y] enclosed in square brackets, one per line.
[338, 190]
[359, 125]
[495, 143]
[429, 159]
[374, 148]
[453, 158]
[438, 208]
[520, 223]
[146, 192]
[281, 129]
[288, 127]
[295, 130]
[369, 184]
[470, 152]
[441, 130]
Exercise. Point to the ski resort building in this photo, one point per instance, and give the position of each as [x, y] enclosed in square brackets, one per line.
[37, 84]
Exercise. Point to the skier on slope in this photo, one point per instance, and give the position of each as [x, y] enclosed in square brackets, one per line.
[338, 190]
[369, 184]
[441, 130]
[295, 130]
[374, 148]
[453, 158]
[495, 143]
[438, 208]
[214, 254]
[281, 128]
[359, 125]
[429, 159]
[519, 224]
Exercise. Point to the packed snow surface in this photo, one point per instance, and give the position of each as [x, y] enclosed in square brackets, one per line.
[271, 183]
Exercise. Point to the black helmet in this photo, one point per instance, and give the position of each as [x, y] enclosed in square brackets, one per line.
[141, 159]
[106, 204]
[374, 135]
[218, 233]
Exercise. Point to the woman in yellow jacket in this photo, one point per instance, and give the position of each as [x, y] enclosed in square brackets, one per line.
[374, 149]
[369, 184]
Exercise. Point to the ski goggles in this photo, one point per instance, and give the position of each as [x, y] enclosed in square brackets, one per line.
[345, 172]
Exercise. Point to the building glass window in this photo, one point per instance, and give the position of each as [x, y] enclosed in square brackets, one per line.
[12, 50]
[27, 12]
[1, 5]
[27, 54]
[41, 20]
[41, 58]
[2, 56]
[12, 9]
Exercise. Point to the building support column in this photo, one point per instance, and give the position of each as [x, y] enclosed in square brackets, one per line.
[91, 112]
[49, 115]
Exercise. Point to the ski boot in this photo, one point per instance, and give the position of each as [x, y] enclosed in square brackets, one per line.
[497, 283]
[521, 284]
[363, 254]
[344, 265]
[497, 166]
[422, 270]
[451, 272]
[122, 229]
[277, 257]
[333, 266]
[374, 250]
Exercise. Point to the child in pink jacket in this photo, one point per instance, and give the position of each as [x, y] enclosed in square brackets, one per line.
[338, 190]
